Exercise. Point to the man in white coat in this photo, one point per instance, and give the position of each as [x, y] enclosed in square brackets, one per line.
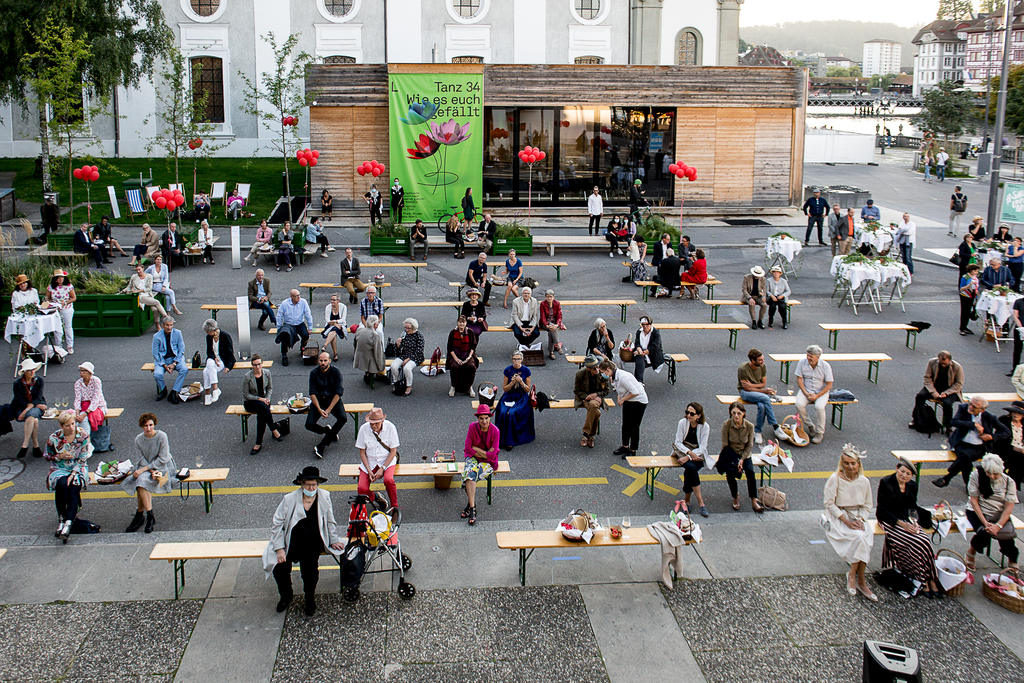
[595, 207]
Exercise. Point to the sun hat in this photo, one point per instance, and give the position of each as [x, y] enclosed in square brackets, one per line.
[591, 361]
[775, 269]
[88, 367]
[757, 271]
[29, 364]
[483, 409]
[472, 291]
[21, 278]
[309, 472]
[1015, 407]
[60, 272]
[375, 415]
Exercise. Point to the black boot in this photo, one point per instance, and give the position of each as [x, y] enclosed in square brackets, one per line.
[283, 603]
[137, 521]
[150, 521]
[310, 604]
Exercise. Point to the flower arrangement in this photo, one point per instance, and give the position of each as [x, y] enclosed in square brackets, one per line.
[857, 258]
[782, 235]
[1001, 290]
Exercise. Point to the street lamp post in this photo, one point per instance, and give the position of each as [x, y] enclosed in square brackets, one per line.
[997, 152]
[990, 24]
[886, 109]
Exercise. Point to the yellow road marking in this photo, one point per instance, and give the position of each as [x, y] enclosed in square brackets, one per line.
[813, 475]
[250, 490]
[640, 480]
[6, 484]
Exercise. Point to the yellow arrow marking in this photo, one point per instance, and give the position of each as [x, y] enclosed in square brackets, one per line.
[640, 480]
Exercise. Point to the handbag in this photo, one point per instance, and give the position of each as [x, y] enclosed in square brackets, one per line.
[197, 361]
[284, 426]
[825, 523]
[533, 395]
[955, 259]
[391, 349]
[435, 363]
[772, 498]
[626, 349]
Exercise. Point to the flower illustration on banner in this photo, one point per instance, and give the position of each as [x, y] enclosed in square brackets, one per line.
[420, 112]
[449, 132]
[423, 148]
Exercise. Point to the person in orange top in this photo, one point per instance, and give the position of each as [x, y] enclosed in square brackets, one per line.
[845, 233]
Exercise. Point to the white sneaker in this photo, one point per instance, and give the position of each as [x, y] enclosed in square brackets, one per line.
[620, 253]
[758, 439]
[208, 400]
[70, 350]
[329, 248]
[451, 392]
[324, 254]
[611, 254]
[817, 438]
[246, 259]
[216, 395]
[472, 392]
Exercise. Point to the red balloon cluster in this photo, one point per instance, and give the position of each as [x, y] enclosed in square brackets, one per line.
[499, 134]
[606, 129]
[307, 157]
[89, 174]
[530, 155]
[195, 144]
[289, 121]
[564, 124]
[374, 168]
[681, 170]
[168, 199]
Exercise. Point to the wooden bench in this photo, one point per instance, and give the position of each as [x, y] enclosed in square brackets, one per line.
[46, 253]
[417, 266]
[670, 359]
[352, 409]
[557, 265]
[440, 471]
[834, 328]
[188, 257]
[878, 530]
[733, 328]
[918, 458]
[110, 415]
[3, 551]
[559, 404]
[215, 308]
[204, 478]
[239, 365]
[425, 363]
[553, 241]
[457, 305]
[716, 303]
[998, 397]
[653, 465]
[312, 331]
[837, 406]
[329, 285]
[710, 284]
[524, 541]
[621, 303]
[873, 360]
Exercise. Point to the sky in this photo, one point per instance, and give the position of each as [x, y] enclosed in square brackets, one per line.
[904, 13]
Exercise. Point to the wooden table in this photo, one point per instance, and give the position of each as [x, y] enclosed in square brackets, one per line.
[214, 308]
[204, 478]
[557, 265]
[239, 365]
[918, 458]
[439, 471]
[109, 415]
[457, 305]
[352, 409]
[671, 359]
[417, 266]
[873, 360]
[834, 328]
[710, 284]
[733, 328]
[621, 303]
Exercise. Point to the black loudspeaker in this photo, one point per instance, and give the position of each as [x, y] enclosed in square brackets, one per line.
[889, 663]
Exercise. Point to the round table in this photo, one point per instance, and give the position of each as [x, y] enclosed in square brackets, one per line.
[787, 247]
[32, 328]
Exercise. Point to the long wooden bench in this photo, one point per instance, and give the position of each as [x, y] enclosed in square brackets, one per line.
[671, 359]
[524, 541]
[834, 329]
[417, 266]
[3, 551]
[621, 303]
[111, 414]
[354, 410]
[715, 304]
[557, 265]
[837, 406]
[654, 464]
[559, 404]
[918, 458]
[47, 253]
[997, 397]
[710, 284]
[216, 308]
[442, 472]
[188, 257]
[877, 530]
[873, 360]
[425, 363]
[330, 285]
[239, 365]
[203, 477]
[733, 328]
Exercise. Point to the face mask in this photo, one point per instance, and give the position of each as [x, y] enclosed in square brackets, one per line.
[308, 494]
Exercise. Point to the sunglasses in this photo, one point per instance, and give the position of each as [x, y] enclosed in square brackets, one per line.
[690, 412]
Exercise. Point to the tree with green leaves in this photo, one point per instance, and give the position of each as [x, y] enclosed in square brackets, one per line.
[744, 46]
[953, 10]
[277, 95]
[181, 115]
[124, 38]
[58, 88]
[988, 6]
[883, 82]
[948, 109]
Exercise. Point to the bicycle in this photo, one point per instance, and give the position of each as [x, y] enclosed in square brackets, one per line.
[442, 223]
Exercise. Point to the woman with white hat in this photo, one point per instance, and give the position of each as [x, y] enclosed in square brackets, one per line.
[378, 444]
[754, 295]
[28, 405]
[61, 294]
[777, 292]
[90, 405]
[481, 452]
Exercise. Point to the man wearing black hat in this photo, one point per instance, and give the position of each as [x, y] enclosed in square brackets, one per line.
[50, 217]
[325, 390]
[1011, 449]
[589, 390]
[303, 528]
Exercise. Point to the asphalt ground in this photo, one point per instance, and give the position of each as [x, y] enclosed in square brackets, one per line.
[552, 474]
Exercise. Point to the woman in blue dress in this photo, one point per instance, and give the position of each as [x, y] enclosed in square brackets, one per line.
[514, 273]
[515, 414]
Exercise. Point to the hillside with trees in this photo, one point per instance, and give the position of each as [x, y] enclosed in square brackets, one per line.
[833, 38]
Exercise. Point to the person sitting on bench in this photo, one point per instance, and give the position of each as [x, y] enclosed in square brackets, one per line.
[975, 432]
[293, 322]
[169, 356]
[943, 382]
[525, 318]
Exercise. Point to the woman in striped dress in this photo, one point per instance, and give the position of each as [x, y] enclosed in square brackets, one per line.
[906, 546]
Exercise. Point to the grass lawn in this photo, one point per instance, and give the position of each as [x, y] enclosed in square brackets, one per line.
[264, 174]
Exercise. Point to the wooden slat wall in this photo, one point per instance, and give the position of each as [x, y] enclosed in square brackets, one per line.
[696, 139]
[734, 156]
[773, 137]
[346, 137]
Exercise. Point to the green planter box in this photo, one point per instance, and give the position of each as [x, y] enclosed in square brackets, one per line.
[389, 245]
[522, 245]
[112, 315]
[60, 241]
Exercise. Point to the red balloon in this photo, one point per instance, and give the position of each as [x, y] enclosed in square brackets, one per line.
[302, 161]
[298, 154]
[94, 169]
[94, 176]
[172, 205]
[679, 173]
[192, 145]
[672, 168]
[312, 162]
[199, 142]
[522, 156]
[376, 172]
[160, 202]
[77, 173]
[693, 177]
[316, 154]
[541, 155]
[531, 158]
[361, 171]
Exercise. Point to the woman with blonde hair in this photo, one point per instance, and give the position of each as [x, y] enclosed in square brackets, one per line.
[453, 235]
[68, 450]
[845, 520]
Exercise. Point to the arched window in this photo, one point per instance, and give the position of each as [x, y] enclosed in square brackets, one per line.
[589, 59]
[208, 82]
[587, 9]
[338, 8]
[205, 8]
[339, 59]
[466, 9]
[689, 47]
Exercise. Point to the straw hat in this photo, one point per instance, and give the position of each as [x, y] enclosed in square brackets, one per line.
[757, 271]
[472, 291]
[375, 415]
[775, 269]
[60, 273]
[21, 278]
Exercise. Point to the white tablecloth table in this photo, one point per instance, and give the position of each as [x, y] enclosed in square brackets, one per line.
[781, 251]
[999, 307]
[31, 328]
[857, 277]
[879, 240]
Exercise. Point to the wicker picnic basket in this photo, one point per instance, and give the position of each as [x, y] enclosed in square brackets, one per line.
[957, 590]
[1005, 601]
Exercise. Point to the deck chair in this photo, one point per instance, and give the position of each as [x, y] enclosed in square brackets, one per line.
[150, 191]
[243, 191]
[135, 204]
[218, 191]
[179, 187]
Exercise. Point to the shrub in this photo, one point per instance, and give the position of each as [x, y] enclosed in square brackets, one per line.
[512, 229]
[389, 228]
[654, 226]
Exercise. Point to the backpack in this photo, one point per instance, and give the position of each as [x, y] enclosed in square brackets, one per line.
[399, 385]
[958, 202]
[923, 419]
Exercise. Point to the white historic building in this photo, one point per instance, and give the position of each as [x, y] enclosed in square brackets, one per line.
[224, 36]
[881, 57]
[941, 52]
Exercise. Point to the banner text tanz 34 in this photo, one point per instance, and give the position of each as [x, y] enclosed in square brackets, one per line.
[436, 141]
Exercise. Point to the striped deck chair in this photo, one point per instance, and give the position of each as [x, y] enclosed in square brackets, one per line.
[135, 205]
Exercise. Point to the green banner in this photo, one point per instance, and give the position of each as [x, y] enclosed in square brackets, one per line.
[436, 124]
[1012, 210]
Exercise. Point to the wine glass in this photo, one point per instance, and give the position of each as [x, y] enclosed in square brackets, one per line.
[608, 530]
[626, 523]
[654, 454]
[199, 460]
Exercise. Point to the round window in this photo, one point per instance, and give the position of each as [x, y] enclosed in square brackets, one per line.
[205, 8]
[338, 8]
[467, 9]
[587, 10]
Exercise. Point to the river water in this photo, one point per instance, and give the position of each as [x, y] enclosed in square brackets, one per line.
[843, 118]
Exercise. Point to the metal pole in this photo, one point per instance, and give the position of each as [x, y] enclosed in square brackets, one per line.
[997, 155]
[988, 89]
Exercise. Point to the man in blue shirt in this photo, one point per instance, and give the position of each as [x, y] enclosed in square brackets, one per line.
[371, 305]
[476, 276]
[169, 356]
[870, 212]
[293, 322]
[815, 208]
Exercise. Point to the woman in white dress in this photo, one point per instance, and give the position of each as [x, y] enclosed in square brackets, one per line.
[847, 504]
[162, 282]
[61, 293]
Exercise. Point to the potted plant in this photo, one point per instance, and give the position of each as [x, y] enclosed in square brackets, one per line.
[513, 235]
[389, 237]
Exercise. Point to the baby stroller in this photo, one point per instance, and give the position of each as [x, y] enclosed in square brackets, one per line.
[373, 535]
